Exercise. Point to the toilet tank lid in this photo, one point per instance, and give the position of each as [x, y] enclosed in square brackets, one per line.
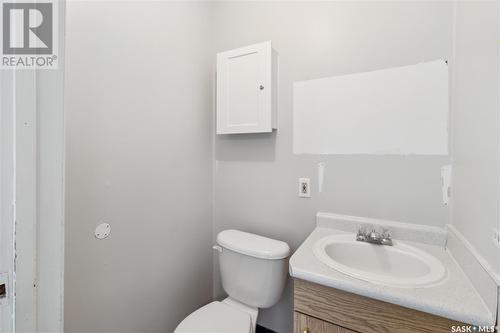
[253, 245]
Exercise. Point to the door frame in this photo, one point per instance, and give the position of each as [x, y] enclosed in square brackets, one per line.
[7, 198]
[32, 196]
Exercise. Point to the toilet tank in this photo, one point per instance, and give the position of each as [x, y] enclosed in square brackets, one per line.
[253, 268]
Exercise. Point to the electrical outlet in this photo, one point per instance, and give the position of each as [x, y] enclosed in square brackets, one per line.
[304, 187]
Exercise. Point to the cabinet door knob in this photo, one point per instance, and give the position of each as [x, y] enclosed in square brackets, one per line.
[261, 87]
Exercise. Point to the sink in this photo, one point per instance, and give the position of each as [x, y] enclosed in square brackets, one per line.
[400, 265]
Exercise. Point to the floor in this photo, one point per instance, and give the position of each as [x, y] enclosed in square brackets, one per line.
[261, 329]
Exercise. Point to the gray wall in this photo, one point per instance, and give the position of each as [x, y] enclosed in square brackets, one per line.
[138, 96]
[139, 144]
[476, 126]
[256, 176]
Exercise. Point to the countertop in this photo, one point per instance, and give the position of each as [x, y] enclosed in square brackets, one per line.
[453, 298]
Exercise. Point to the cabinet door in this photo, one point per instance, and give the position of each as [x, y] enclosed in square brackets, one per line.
[306, 324]
[244, 90]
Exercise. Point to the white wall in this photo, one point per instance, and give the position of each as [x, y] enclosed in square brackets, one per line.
[476, 126]
[139, 143]
[138, 96]
[256, 176]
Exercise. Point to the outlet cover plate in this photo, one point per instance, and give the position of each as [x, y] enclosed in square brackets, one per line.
[304, 187]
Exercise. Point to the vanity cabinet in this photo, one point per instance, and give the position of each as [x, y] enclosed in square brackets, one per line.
[246, 90]
[307, 324]
[320, 309]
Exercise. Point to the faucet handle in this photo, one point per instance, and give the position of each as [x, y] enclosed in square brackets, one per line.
[362, 233]
[375, 235]
[387, 238]
[386, 234]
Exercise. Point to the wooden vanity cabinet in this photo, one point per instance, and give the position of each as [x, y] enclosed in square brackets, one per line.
[307, 324]
[320, 309]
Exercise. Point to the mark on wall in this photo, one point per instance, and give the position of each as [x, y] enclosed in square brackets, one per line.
[395, 111]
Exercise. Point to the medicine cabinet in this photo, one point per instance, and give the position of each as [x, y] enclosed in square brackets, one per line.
[246, 90]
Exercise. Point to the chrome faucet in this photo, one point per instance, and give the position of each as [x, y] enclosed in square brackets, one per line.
[380, 236]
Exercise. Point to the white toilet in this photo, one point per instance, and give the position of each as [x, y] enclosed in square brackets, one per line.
[254, 271]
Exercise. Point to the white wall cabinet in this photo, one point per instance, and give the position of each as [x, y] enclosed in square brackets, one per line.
[246, 90]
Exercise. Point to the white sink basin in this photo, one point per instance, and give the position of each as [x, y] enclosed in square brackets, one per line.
[400, 265]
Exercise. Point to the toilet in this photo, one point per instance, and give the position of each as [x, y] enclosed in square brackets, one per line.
[253, 271]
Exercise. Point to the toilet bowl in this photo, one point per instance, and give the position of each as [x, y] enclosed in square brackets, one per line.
[253, 273]
[216, 317]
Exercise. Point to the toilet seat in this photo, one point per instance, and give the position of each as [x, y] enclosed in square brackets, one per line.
[216, 317]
